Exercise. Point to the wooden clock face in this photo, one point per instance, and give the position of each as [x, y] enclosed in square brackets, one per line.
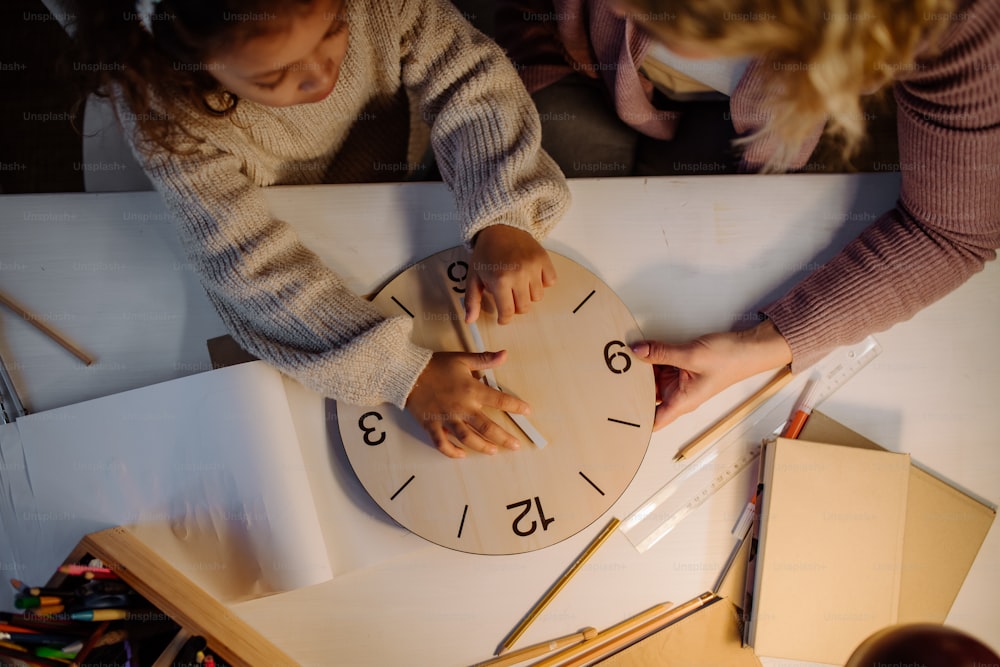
[569, 359]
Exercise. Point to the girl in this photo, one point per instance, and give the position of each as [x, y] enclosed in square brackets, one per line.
[220, 98]
[808, 62]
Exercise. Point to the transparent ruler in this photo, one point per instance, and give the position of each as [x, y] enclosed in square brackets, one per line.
[728, 456]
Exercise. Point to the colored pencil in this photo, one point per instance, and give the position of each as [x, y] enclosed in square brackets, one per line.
[39, 324]
[558, 586]
[741, 411]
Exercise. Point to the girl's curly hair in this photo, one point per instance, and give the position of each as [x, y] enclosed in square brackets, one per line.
[160, 71]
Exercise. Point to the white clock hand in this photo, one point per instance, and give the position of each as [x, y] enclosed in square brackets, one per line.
[521, 421]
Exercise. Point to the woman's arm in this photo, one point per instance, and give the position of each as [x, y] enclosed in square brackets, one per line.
[947, 221]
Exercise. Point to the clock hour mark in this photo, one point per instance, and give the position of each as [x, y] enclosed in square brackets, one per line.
[591, 482]
[462, 525]
[619, 421]
[400, 490]
[592, 292]
[402, 306]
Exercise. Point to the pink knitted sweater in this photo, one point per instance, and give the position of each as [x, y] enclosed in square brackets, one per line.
[946, 223]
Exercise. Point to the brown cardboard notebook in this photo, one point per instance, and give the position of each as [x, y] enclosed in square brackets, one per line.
[830, 548]
[944, 530]
[710, 637]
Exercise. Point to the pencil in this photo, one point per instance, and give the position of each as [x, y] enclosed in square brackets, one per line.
[84, 570]
[7, 627]
[91, 642]
[37, 322]
[558, 586]
[539, 649]
[30, 659]
[633, 634]
[722, 426]
[640, 619]
[47, 610]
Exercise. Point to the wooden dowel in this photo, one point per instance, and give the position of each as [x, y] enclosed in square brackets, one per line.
[168, 655]
[95, 637]
[36, 321]
[558, 586]
[539, 649]
[605, 635]
[740, 413]
[624, 638]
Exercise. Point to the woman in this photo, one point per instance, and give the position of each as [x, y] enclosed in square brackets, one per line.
[808, 63]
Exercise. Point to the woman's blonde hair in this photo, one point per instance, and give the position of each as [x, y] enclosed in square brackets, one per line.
[822, 55]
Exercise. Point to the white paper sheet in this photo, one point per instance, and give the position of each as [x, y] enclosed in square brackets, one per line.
[212, 453]
[358, 532]
[13, 485]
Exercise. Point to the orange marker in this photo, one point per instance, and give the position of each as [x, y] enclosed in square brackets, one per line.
[797, 423]
[802, 410]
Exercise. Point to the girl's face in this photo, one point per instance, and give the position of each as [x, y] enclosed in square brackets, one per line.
[299, 64]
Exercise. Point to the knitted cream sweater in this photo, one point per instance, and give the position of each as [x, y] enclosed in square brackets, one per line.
[277, 299]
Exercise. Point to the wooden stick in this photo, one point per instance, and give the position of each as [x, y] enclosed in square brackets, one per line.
[35, 321]
[558, 586]
[615, 643]
[605, 635]
[539, 649]
[741, 412]
[522, 422]
[95, 636]
[168, 655]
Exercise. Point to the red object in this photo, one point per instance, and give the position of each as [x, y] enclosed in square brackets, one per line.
[6, 627]
[795, 426]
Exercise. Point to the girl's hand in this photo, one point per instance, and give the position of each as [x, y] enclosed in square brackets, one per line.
[689, 374]
[448, 399]
[511, 267]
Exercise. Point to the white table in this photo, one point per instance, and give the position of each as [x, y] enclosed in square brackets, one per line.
[688, 255]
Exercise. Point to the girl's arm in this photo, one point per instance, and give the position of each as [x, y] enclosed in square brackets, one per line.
[276, 297]
[484, 127]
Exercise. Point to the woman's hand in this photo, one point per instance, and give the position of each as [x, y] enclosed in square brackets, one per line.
[448, 399]
[689, 374]
[511, 267]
